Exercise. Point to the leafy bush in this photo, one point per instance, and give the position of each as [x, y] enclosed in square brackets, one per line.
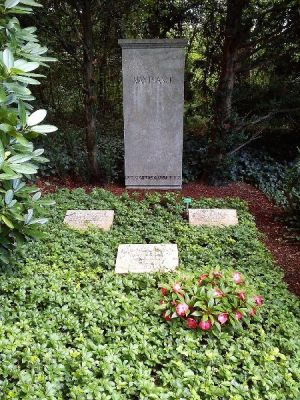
[68, 156]
[72, 329]
[280, 183]
[210, 301]
[20, 54]
[291, 190]
[260, 169]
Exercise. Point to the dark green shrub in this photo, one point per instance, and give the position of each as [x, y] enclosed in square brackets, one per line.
[291, 190]
[66, 150]
[20, 54]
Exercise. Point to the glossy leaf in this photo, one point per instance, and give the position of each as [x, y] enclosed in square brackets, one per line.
[36, 117]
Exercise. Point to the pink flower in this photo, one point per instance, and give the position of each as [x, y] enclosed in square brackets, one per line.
[161, 302]
[181, 309]
[163, 291]
[201, 278]
[242, 296]
[258, 300]
[218, 293]
[238, 315]
[222, 318]
[176, 287]
[237, 278]
[191, 323]
[205, 325]
[217, 274]
[174, 303]
[252, 312]
[166, 317]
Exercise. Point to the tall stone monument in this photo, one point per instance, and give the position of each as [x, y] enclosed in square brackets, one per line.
[153, 89]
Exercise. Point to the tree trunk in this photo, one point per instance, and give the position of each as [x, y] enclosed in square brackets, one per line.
[232, 41]
[90, 90]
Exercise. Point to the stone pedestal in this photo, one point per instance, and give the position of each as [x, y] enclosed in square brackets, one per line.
[153, 89]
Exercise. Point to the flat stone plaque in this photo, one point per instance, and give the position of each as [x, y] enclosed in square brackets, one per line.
[153, 88]
[212, 217]
[145, 258]
[83, 219]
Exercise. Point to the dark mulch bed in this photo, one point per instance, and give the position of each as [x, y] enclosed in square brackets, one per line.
[268, 217]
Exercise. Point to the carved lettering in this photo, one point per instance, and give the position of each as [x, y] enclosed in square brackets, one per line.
[162, 80]
[143, 177]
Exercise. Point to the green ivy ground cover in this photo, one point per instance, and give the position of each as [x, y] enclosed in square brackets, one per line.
[71, 329]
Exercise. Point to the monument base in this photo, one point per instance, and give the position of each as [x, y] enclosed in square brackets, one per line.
[154, 187]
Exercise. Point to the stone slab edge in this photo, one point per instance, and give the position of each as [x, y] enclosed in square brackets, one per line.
[151, 43]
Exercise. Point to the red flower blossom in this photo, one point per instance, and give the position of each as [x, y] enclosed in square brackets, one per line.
[181, 309]
[258, 300]
[217, 274]
[176, 287]
[218, 293]
[201, 278]
[238, 315]
[222, 318]
[163, 291]
[252, 312]
[237, 278]
[205, 325]
[191, 323]
[166, 317]
[242, 296]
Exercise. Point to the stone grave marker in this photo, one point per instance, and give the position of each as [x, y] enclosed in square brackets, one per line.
[212, 217]
[145, 258]
[83, 219]
[153, 88]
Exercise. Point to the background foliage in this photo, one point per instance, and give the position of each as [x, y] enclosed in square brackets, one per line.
[258, 131]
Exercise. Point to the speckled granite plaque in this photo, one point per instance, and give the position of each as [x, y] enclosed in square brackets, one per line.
[212, 217]
[145, 258]
[83, 219]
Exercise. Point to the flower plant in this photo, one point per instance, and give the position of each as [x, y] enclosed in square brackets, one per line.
[210, 301]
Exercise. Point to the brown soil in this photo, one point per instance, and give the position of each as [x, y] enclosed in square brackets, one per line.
[268, 217]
